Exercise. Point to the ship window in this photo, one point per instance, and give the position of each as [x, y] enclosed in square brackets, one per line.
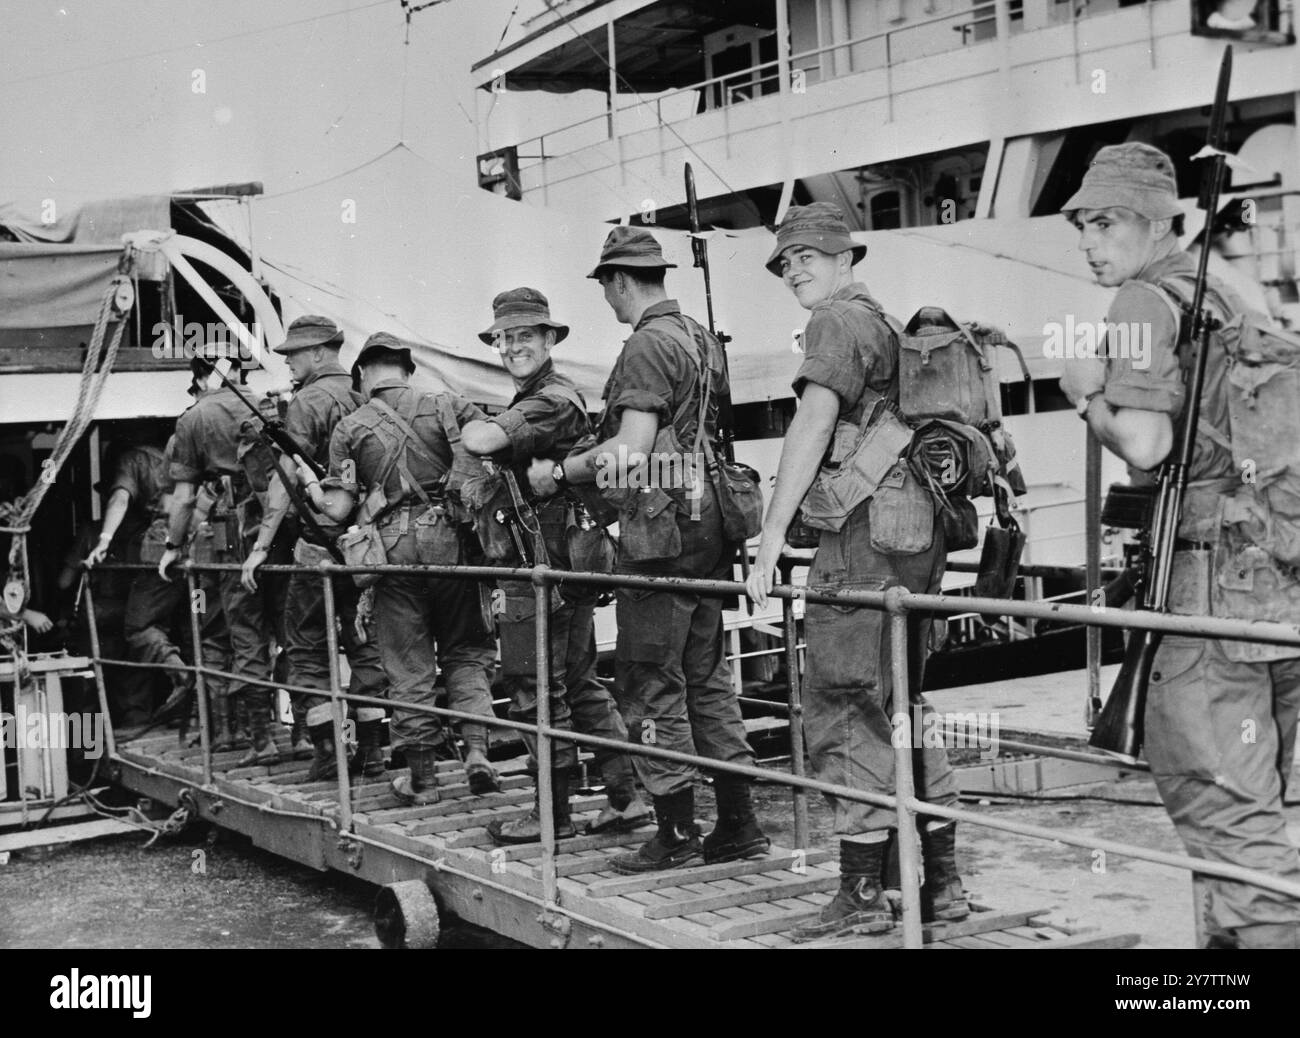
[886, 211]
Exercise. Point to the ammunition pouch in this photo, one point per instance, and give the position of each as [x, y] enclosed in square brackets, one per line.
[590, 547]
[961, 530]
[901, 513]
[363, 546]
[647, 527]
[860, 457]
[305, 553]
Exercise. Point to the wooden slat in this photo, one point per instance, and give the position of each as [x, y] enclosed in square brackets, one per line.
[451, 806]
[779, 861]
[577, 843]
[974, 942]
[774, 924]
[1099, 940]
[1006, 940]
[474, 819]
[935, 933]
[735, 898]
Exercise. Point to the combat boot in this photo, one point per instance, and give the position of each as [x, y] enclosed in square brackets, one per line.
[481, 775]
[324, 761]
[300, 742]
[737, 834]
[528, 829]
[219, 718]
[263, 750]
[676, 844]
[370, 749]
[942, 896]
[859, 906]
[420, 787]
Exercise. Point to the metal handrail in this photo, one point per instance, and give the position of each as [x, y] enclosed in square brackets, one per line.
[896, 601]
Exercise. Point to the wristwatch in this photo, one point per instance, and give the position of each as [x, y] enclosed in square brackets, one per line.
[557, 474]
[1085, 402]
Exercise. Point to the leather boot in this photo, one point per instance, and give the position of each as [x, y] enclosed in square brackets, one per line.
[370, 749]
[482, 777]
[420, 787]
[942, 896]
[676, 844]
[300, 742]
[737, 834]
[324, 761]
[528, 829]
[859, 906]
[263, 749]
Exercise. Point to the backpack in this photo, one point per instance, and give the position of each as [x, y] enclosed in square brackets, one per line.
[1263, 416]
[947, 426]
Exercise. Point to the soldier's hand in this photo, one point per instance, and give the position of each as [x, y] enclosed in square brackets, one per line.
[762, 575]
[540, 479]
[37, 621]
[247, 575]
[1082, 377]
[168, 557]
[98, 553]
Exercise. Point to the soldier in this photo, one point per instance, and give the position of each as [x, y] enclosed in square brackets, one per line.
[851, 360]
[207, 447]
[137, 507]
[674, 682]
[546, 418]
[323, 395]
[1222, 791]
[395, 449]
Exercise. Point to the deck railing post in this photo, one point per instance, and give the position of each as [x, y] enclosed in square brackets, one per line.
[198, 603]
[545, 751]
[794, 700]
[109, 739]
[909, 864]
[336, 701]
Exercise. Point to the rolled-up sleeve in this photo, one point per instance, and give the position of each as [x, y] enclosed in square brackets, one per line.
[187, 462]
[343, 468]
[832, 357]
[648, 377]
[1142, 369]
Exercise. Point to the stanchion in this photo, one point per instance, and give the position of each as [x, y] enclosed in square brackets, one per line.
[904, 786]
[545, 751]
[794, 701]
[197, 598]
[336, 701]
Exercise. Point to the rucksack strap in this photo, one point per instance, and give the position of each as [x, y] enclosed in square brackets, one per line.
[409, 440]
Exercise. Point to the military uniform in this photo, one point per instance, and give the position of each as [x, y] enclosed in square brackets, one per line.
[847, 691]
[1223, 792]
[209, 444]
[152, 602]
[319, 403]
[414, 613]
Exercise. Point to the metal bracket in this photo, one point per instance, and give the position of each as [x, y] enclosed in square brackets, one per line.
[351, 849]
[560, 925]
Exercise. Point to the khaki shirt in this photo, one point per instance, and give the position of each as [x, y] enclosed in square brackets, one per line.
[849, 348]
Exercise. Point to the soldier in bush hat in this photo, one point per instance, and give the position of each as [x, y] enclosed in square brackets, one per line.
[322, 397]
[545, 420]
[1129, 222]
[851, 361]
[391, 456]
[674, 680]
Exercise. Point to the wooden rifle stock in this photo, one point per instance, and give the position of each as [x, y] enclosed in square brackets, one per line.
[1119, 729]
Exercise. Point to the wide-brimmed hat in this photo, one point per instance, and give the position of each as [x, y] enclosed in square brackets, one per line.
[382, 348]
[306, 332]
[820, 226]
[1135, 176]
[522, 308]
[630, 247]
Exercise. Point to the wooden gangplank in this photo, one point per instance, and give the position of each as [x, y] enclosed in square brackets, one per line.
[746, 904]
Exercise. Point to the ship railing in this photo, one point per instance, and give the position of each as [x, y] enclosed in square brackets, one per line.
[897, 602]
[881, 50]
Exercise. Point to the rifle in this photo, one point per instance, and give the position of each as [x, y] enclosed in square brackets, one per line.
[520, 520]
[726, 420]
[273, 434]
[1118, 731]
